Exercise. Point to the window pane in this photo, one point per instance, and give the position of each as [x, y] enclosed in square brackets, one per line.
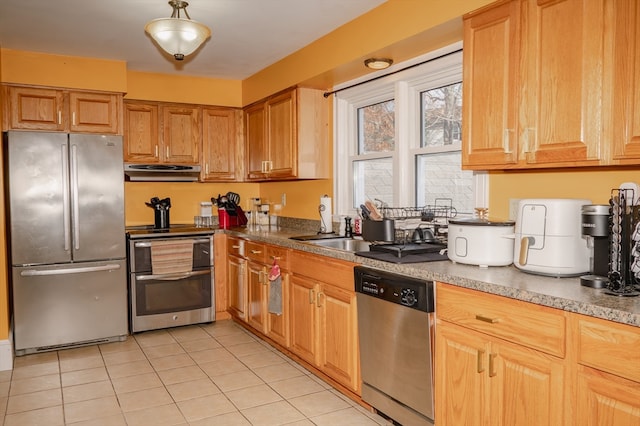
[376, 128]
[441, 116]
[440, 176]
[372, 179]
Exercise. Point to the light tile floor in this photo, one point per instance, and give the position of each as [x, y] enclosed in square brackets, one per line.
[213, 374]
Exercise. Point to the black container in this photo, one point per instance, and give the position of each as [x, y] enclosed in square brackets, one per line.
[161, 217]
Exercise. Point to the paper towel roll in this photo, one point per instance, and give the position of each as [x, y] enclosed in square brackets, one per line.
[326, 226]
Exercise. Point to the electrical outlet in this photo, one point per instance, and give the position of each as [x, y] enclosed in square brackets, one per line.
[284, 199]
[513, 208]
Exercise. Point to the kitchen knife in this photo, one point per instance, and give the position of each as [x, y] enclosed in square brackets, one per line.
[366, 214]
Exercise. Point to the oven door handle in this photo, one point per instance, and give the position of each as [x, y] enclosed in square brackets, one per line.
[171, 277]
[148, 243]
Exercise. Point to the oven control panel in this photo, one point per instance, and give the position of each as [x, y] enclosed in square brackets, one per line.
[396, 289]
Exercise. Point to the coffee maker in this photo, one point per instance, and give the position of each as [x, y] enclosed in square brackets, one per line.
[595, 228]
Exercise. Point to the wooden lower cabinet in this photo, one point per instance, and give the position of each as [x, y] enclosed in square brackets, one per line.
[237, 286]
[606, 399]
[304, 330]
[486, 381]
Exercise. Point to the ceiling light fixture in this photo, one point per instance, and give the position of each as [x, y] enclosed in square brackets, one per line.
[178, 36]
[378, 63]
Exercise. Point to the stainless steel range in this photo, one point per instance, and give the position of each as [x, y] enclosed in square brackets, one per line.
[171, 276]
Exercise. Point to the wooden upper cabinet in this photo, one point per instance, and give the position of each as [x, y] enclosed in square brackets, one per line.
[181, 134]
[94, 112]
[141, 132]
[490, 89]
[625, 115]
[32, 108]
[221, 147]
[156, 132]
[286, 136]
[533, 77]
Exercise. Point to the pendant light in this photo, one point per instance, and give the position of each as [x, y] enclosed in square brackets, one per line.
[175, 35]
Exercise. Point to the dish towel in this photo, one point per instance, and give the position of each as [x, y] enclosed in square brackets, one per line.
[171, 257]
[275, 289]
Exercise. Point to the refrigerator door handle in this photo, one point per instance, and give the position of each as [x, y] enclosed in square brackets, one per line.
[74, 196]
[65, 196]
[65, 271]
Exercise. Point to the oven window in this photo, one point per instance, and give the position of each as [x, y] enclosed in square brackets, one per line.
[201, 257]
[160, 297]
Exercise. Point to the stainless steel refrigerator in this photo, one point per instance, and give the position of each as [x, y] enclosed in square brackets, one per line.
[65, 225]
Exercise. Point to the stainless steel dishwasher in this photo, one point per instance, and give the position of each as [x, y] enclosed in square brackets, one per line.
[395, 333]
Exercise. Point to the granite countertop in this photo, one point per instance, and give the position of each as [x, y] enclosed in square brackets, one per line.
[561, 293]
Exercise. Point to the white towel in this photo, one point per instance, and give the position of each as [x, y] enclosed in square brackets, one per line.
[170, 257]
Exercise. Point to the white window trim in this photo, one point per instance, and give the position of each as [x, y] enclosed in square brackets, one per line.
[400, 86]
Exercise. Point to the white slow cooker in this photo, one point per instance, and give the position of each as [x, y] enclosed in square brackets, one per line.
[480, 241]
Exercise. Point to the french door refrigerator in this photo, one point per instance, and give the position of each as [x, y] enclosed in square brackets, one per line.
[65, 224]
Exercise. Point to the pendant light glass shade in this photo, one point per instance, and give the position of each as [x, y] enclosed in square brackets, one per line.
[178, 36]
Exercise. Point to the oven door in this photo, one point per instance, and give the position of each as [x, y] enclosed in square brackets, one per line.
[161, 301]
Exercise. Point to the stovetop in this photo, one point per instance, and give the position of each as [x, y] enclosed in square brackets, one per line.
[150, 231]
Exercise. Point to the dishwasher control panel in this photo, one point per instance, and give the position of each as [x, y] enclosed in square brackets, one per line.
[405, 291]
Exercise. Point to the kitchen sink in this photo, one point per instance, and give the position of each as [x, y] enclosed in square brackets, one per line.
[346, 244]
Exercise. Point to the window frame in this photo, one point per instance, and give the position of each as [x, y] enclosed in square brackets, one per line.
[405, 87]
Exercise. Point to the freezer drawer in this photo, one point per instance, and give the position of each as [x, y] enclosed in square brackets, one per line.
[62, 305]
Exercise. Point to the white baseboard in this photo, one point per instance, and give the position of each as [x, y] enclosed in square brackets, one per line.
[6, 354]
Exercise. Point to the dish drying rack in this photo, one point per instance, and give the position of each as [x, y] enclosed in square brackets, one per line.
[624, 244]
[406, 219]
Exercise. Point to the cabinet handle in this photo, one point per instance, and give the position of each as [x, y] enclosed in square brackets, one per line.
[480, 363]
[506, 141]
[167, 152]
[256, 251]
[492, 365]
[270, 165]
[311, 296]
[275, 257]
[59, 117]
[263, 277]
[73, 118]
[235, 247]
[487, 319]
[206, 168]
[156, 151]
[527, 148]
[318, 304]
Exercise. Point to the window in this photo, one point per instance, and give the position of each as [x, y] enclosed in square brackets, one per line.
[398, 139]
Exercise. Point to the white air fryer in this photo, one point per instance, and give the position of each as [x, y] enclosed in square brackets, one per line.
[548, 237]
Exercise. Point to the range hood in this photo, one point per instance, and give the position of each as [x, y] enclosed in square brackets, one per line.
[161, 172]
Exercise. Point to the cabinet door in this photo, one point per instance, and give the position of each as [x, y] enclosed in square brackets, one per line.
[237, 287]
[95, 112]
[256, 148]
[256, 303]
[606, 400]
[338, 335]
[564, 82]
[625, 114]
[281, 135]
[181, 134]
[220, 144]
[461, 396]
[491, 87]
[35, 109]
[278, 325]
[525, 384]
[302, 308]
[141, 133]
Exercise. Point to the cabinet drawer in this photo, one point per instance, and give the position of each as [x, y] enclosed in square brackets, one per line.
[279, 254]
[608, 346]
[323, 269]
[520, 322]
[255, 251]
[235, 246]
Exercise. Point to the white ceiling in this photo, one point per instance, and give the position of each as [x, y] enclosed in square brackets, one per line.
[247, 35]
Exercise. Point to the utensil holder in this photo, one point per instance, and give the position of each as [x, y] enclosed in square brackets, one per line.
[378, 230]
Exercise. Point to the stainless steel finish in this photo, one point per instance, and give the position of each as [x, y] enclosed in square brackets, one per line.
[162, 172]
[395, 352]
[144, 317]
[67, 246]
[55, 309]
[346, 244]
